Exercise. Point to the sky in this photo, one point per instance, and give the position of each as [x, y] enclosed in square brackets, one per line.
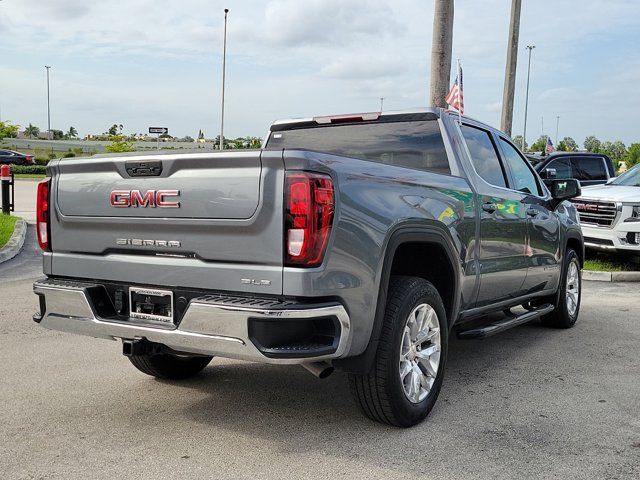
[145, 63]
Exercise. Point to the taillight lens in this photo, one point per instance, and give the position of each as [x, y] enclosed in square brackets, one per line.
[29, 159]
[42, 214]
[309, 206]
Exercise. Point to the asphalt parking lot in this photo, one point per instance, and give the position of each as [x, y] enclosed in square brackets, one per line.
[529, 403]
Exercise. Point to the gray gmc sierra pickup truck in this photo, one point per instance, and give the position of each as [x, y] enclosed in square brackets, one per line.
[358, 242]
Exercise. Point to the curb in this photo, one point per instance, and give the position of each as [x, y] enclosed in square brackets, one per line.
[594, 276]
[15, 243]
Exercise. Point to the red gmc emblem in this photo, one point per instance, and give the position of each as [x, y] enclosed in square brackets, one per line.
[150, 198]
[588, 207]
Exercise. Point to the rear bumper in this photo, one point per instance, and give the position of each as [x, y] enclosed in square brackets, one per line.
[211, 325]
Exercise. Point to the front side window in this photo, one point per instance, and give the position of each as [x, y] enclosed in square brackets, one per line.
[415, 144]
[589, 168]
[483, 155]
[562, 166]
[523, 178]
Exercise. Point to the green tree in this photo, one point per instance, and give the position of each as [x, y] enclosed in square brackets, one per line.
[72, 133]
[119, 144]
[115, 129]
[567, 144]
[616, 151]
[633, 155]
[592, 144]
[32, 131]
[57, 134]
[539, 145]
[517, 141]
[7, 130]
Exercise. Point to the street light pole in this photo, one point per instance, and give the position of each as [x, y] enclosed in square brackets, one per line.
[557, 125]
[381, 103]
[224, 68]
[48, 105]
[526, 102]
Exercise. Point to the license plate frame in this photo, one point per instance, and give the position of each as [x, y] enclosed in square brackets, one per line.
[154, 299]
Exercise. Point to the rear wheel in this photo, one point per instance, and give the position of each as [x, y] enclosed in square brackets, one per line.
[408, 369]
[568, 299]
[170, 366]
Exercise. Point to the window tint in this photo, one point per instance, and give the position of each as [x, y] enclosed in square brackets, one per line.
[416, 144]
[563, 168]
[484, 156]
[523, 178]
[589, 168]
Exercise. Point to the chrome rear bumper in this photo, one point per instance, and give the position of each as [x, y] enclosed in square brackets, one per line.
[210, 325]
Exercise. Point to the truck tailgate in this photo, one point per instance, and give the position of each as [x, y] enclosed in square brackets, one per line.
[207, 220]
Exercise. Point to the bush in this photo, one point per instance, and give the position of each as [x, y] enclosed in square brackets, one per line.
[52, 156]
[29, 169]
[42, 160]
[68, 154]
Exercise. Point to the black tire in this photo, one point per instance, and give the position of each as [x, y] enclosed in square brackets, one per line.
[380, 393]
[561, 317]
[169, 366]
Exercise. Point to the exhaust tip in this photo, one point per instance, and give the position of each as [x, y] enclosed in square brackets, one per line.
[319, 369]
[326, 372]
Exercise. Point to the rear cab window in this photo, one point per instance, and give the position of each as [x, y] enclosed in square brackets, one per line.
[410, 144]
[589, 168]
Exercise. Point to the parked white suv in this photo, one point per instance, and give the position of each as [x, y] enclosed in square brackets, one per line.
[610, 214]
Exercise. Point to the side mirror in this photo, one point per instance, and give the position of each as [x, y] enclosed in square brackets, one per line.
[563, 189]
[550, 172]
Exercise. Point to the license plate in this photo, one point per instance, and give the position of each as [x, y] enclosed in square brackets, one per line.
[150, 304]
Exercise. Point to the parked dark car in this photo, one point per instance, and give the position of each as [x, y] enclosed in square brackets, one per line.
[588, 168]
[15, 158]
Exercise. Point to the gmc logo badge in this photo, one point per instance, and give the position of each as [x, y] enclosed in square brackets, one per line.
[150, 198]
[587, 207]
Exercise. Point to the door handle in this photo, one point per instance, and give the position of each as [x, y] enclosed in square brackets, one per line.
[489, 207]
[532, 212]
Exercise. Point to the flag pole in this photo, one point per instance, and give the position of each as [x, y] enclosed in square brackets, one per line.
[459, 87]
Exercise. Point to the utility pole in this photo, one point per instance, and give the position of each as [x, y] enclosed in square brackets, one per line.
[526, 102]
[224, 72]
[506, 121]
[48, 67]
[381, 103]
[557, 126]
[441, 52]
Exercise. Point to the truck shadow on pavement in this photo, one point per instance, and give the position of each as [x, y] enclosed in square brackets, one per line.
[288, 404]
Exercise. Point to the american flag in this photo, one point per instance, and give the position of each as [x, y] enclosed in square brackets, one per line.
[455, 98]
[550, 148]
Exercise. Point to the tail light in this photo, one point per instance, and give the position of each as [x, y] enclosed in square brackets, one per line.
[29, 159]
[42, 215]
[309, 206]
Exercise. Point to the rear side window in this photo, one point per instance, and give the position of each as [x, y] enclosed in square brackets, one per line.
[416, 145]
[589, 168]
[483, 155]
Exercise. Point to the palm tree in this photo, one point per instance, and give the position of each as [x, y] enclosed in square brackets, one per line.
[72, 133]
[441, 52]
[32, 131]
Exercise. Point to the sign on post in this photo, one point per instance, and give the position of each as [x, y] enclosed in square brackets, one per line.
[158, 131]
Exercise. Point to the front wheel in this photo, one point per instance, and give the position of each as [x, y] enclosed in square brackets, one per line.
[170, 366]
[569, 296]
[408, 369]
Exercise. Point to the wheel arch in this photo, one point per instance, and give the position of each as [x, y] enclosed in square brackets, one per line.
[404, 240]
